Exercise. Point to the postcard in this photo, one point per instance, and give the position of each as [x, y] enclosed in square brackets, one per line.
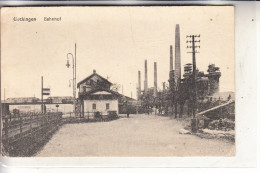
[118, 81]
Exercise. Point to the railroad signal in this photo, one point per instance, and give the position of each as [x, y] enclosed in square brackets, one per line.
[46, 91]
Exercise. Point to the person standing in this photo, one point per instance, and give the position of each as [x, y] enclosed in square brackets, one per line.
[127, 110]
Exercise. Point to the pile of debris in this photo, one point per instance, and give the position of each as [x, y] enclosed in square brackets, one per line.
[212, 134]
[217, 134]
[225, 124]
[215, 123]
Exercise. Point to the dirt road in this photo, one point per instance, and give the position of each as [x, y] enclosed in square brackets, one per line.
[139, 135]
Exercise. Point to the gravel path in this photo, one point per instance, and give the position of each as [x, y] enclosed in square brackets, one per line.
[140, 135]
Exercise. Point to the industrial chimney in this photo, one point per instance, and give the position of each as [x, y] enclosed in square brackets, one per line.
[177, 54]
[171, 58]
[139, 85]
[155, 80]
[145, 75]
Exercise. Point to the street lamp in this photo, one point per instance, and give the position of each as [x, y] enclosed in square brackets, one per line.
[74, 75]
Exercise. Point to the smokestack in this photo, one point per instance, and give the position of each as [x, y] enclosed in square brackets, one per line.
[145, 75]
[163, 86]
[155, 80]
[139, 84]
[172, 79]
[171, 58]
[177, 54]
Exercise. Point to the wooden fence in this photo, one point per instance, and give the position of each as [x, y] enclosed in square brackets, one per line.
[90, 117]
[23, 133]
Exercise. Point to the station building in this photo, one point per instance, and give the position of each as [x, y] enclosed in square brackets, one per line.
[95, 95]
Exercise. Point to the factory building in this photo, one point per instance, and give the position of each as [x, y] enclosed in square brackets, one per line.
[207, 84]
[33, 104]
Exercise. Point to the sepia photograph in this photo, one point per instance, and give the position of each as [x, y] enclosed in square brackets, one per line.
[125, 81]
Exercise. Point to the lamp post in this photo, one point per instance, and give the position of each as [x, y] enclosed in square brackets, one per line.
[74, 75]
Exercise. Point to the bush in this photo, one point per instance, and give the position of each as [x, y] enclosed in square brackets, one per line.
[112, 114]
[97, 115]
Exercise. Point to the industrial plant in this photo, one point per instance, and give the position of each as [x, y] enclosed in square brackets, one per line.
[183, 91]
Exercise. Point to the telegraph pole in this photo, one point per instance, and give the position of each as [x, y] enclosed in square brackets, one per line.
[193, 46]
[75, 93]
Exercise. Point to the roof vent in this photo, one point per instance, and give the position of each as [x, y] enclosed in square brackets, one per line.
[94, 71]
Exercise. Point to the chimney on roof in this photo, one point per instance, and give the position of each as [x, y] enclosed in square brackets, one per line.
[94, 71]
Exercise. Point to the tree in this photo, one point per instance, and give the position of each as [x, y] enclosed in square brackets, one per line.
[147, 101]
[185, 93]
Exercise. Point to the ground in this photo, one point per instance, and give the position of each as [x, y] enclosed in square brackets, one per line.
[139, 135]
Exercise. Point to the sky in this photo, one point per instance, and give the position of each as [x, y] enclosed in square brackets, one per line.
[115, 41]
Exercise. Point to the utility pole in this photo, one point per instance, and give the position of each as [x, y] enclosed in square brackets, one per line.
[193, 46]
[75, 95]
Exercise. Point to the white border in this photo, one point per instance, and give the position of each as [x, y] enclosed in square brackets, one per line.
[247, 83]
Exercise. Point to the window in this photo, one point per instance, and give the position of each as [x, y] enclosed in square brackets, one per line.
[107, 106]
[94, 106]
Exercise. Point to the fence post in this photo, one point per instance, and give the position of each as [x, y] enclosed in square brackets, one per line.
[6, 127]
[37, 119]
[6, 142]
[31, 119]
[45, 119]
[21, 123]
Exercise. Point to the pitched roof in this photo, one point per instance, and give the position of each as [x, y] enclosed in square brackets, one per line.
[102, 89]
[107, 90]
[89, 77]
